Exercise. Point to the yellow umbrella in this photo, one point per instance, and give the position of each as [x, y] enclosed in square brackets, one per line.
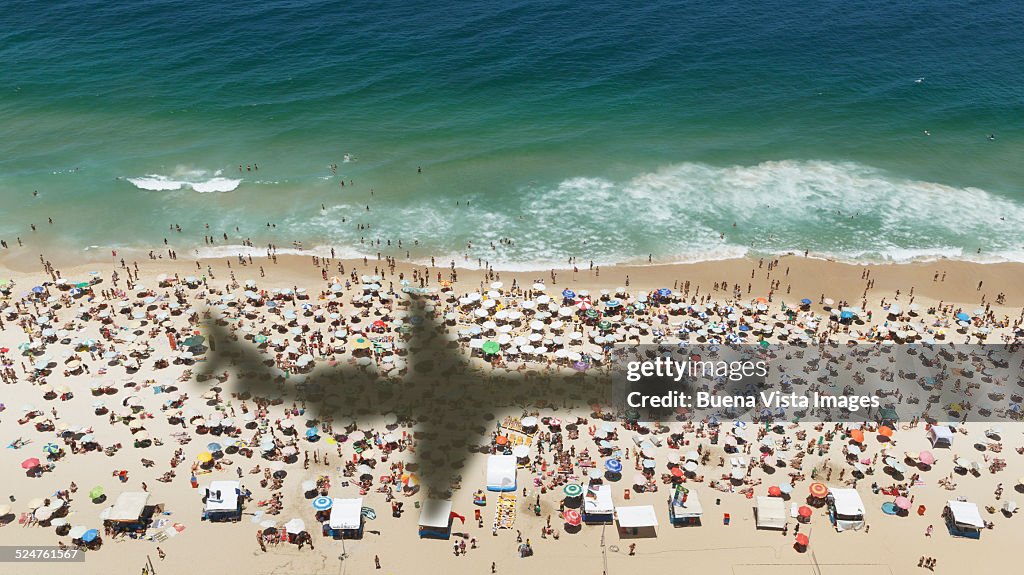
[205, 457]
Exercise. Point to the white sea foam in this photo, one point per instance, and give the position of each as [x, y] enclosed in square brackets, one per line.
[197, 180]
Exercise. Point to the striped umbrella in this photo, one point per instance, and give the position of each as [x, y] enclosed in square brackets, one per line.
[322, 503]
[51, 448]
[573, 490]
[572, 517]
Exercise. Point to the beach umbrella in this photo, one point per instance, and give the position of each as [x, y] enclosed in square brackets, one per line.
[214, 447]
[819, 490]
[322, 503]
[802, 539]
[51, 448]
[205, 457]
[30, 463]
[804, 511]
[774, 491]
[902, 503]
[926, 457]
[885, 431]
[90, 535]
[690, 466]
[857, 435]
[573, 490]
[786, 488]
[568, 294]
[77, 531]
[295, 526]
[96, 492]
[490, 347]
[613, 465]
[963, 317]
[572, 517]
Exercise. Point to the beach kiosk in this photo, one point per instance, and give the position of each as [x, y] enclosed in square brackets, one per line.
[940, 436]
[684, 507]
[346, 520]
[963, 519]
[501, 473]
[130, 512]
[223, 501]
[845, 509]
[637, 521]
[770, 513]
[597, 504]
[435, 519]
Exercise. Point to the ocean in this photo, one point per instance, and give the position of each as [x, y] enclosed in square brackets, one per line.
[521, 132]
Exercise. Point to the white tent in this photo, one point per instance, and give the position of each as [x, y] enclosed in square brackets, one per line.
[501, 473]
[597, 500]
[848, 509]
[940, 435]
[222, 496]
[771, 513]
[129, 506]
[435, 514]
[966, 516]
[637, 516]
[689, 509]
[346, 514]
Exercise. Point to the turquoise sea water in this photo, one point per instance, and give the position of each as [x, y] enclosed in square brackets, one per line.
[608, 131]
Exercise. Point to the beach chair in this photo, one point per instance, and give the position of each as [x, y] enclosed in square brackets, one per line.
[734, 462]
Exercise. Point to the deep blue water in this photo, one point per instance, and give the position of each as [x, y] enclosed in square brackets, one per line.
[608, 130]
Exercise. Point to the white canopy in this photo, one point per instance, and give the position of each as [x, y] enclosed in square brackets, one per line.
[222, 495]
[849, 509]
[435, 513]
[690, 508]
[966, 513]
[598, 500]
[129, 506]
[771, 513]
[637, 516]
[346, 514]
[940, 434]
[501, 473]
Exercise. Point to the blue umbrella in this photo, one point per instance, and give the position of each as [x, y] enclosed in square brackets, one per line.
[846, 315]
[613, 465]
[805, 301]
[568, 293]
[613, 303]
[311, 432]
[214, 447]
[90, 535]
[51, 448]
[664, 292]
[38, 289]
[963, 317]
[322, 503]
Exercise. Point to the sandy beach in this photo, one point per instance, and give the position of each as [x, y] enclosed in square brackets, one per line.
[891, 543]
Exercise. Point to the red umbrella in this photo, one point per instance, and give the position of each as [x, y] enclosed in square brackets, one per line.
[802, 539]
[774, 491]
[804, 511]
[676, 472]
[379, 323]
[885, 431]
[572, 517]
[30, 463]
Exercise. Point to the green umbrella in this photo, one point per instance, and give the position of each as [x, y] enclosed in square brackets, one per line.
[604, 324]
[592, 313]
[194, 341]
[96, 492]
[573, 490]
[82, 285]
[490, 347]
